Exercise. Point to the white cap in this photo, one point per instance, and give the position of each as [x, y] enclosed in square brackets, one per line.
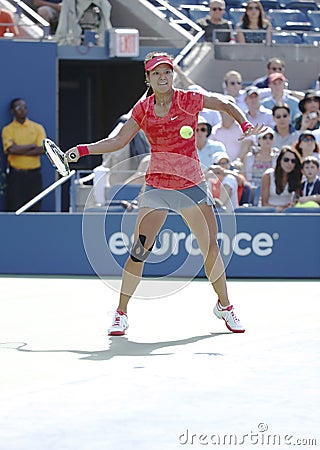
[217, 157]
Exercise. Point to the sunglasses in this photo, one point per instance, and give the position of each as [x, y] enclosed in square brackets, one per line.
[233, 83]
[217, 9]
[203, 129]
[278, 116]
[286, 160]
[307, 139]
[251, 8]
[267, 136]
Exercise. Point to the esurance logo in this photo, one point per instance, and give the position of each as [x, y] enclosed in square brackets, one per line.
[173, 243]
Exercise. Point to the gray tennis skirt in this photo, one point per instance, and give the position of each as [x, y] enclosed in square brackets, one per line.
[176, 199]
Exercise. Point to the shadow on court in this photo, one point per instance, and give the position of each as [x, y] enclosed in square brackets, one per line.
[121, 346]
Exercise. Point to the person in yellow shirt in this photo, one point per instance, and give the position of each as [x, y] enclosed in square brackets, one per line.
[22, 143]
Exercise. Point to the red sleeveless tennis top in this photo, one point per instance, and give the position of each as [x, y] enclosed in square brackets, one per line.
[174, 162]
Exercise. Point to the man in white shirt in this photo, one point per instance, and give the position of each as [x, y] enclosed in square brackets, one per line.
[255, 112]
[228, 132]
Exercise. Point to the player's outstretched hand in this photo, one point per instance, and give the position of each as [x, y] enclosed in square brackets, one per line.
[252, 131]
[72, 155]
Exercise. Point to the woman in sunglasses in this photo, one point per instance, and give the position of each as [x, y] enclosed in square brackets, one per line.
[284, 131]
[307, 145]
[258, 28]
[260, 158]
[281, 185]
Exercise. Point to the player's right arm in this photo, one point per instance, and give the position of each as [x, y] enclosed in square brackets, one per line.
[106, 145]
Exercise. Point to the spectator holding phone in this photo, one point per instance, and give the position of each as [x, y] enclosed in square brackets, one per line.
[310, 109]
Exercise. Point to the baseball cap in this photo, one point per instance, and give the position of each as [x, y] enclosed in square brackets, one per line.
[268, 130]
[252, 90]
[217, 157]
[306, 133]
[309, 94]
[276, 76]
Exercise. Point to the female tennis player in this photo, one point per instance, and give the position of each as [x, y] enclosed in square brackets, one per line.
[174, 179]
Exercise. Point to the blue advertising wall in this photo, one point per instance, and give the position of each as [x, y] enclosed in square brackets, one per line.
[268, 246]
[29, 70]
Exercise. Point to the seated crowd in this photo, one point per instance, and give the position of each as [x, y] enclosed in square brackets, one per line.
[274, 168]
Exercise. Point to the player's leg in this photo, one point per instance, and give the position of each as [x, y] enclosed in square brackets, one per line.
[149, 222]
[202, 222]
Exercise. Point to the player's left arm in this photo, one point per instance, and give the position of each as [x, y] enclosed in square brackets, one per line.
[221, 103]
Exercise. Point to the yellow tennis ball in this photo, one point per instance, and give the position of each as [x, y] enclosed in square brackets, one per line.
[186, 132]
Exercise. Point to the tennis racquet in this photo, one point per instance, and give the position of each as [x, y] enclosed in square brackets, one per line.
[57, 157]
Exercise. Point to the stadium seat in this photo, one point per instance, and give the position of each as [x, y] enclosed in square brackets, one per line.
[314, 19]
[255, 210]
[289, 20]
[293, 210]
[286, 38]
[311, 39]
[270, 4]
[235, 3]
[119, 192]
[195, 13]
[301, 5]
[235, 15]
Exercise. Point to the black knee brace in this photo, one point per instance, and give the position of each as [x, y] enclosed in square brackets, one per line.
[138, 252]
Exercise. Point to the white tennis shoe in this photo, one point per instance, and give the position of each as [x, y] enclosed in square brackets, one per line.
[232, 322]
[119, 324]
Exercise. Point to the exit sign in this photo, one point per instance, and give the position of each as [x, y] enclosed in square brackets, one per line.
[123, 42]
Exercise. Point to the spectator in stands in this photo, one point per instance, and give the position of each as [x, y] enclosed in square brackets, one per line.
[206, 147]
[50, 11]
[284, 132]
[277, 84]
[126, 160]
[310, 109]
[310, 188]
[260, 157]
[274, 65]
[281, 185]
[214, 22]
[76, 17]
[228, 198]
[253, 27]
[228, 132]
[185, 82]
[232, 85]
[22, 142]
[7, 23]
[254, 111]
[307, 145]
